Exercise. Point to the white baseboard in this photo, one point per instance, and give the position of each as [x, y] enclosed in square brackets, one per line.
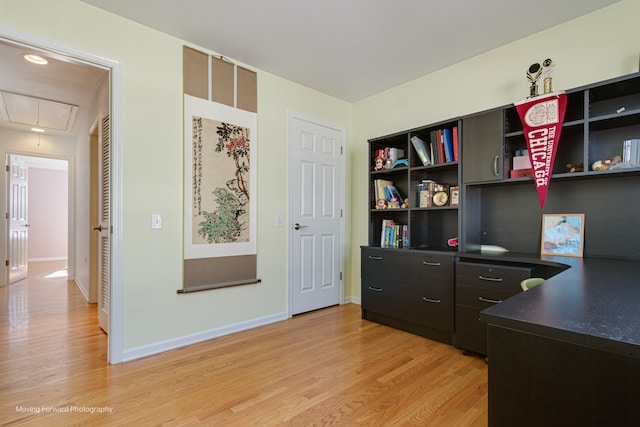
[83, 290]
[63, 258]
[352, 300]
[171, 344]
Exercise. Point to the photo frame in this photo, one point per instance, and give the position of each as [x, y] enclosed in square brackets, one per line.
[562, 235]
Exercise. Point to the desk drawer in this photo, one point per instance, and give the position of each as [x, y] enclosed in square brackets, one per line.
[406, 267]
[491, 277]
[481, 298]
[418, 304]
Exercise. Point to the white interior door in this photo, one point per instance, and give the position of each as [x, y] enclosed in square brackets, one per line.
[18, 218]
[316, 171]
[104, 226]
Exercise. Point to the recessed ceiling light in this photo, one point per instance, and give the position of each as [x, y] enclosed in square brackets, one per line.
[35, 59]
[37, 130]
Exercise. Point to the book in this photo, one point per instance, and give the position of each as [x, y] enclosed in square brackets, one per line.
[520, 173]
[447, 141]
[393, 193]
[455, 144]
[631, 151]
[385, 233]
[454, 195]
[434, 147]
[440, 140]
[405, 236]
[425, 193]
[421, 149]
[379, 186]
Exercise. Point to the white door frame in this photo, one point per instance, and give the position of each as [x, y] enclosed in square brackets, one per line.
[291, 117]
[114, 353]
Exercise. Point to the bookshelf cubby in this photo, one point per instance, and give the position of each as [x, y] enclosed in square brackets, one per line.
[428, 227]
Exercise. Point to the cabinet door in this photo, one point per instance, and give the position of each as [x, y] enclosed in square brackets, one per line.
[384, 265]
[382, 297]
[482, 158]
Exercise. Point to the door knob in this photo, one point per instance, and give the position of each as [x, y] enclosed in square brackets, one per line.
[98, 228]
[298, 226]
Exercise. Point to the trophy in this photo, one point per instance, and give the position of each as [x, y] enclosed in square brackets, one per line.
[533, 74]
[547, 70]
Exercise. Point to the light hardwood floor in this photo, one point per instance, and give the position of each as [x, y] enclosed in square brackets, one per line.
[327, 367]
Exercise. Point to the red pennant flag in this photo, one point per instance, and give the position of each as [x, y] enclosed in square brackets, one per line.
[542, 119]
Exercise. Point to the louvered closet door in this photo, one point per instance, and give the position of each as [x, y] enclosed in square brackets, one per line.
[104, 228]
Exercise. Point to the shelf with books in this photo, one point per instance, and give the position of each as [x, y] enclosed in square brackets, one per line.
[389, 191]
[434, 145]
[431, 154]
[425, 183]
[378, 219]
[394, 235]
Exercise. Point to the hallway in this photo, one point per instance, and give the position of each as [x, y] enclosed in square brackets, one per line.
[48, 333]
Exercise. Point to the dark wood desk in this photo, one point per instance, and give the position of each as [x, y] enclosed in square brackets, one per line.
[567, 352]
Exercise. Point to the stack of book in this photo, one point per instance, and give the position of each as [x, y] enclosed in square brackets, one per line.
[441, 148]
[394, 235]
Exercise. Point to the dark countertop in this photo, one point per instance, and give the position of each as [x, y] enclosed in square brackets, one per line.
[594, 303]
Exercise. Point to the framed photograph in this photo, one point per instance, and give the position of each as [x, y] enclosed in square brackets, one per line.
[562, 234]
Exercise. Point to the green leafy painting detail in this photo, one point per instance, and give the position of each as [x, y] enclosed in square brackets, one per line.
[229, 220]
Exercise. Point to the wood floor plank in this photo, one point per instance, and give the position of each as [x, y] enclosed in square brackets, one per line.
[323, 368]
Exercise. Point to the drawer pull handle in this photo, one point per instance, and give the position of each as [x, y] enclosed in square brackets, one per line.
[436, 301]
[377, 258]
[490, 279]
[491, 301]
[433, 264]
[371, 288]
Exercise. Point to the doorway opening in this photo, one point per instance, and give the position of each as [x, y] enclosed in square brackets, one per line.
[38, 214]
[103, 97]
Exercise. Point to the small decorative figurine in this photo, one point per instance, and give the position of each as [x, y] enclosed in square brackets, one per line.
[575, 167]
[603, 165]
[379, 163]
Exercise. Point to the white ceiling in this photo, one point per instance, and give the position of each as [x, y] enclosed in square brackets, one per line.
[350, 49]
[59, 94]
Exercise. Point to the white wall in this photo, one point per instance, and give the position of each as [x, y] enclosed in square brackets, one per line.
[594, 47]
[48, 213]
[152, 173]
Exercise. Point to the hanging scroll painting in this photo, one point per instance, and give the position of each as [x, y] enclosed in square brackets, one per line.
[220, 179]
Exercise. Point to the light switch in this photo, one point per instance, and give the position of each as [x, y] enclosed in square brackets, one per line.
[156, 221]
[279, 220]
